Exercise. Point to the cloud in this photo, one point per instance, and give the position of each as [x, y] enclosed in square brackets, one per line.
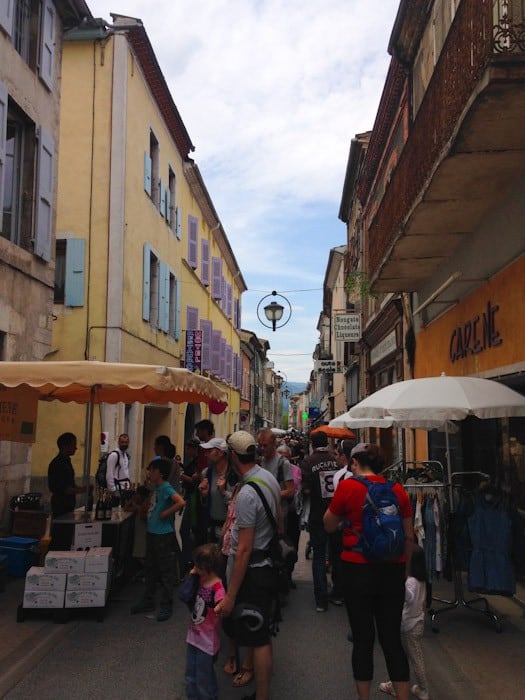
[272, 92]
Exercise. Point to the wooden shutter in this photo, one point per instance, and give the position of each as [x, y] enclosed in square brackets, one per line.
[229, 302]
[178, 223]
[164, 297]
[75, 270]
[206, 328]
[228, 364]
[162, 200]
[47, 44]
[6, 16]
[222, 366]
[215, 352]
[146, 282]
[177, 309]
[205, 262]
[44, 195]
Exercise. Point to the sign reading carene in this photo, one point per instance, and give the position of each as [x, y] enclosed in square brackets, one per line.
[475, 335]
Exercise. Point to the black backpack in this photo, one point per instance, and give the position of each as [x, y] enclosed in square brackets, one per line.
[100, 476]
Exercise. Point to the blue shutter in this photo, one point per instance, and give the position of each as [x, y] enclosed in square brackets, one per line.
[162, 200]
[206, 328]
[3, 133]
[178, 223]
[44, 196]
[146, 282]
[6, 16]
[168, 212]
[177, 310]
[164, 297]
[75, 269]
[205, 262]
[47, 45]
[147, 173]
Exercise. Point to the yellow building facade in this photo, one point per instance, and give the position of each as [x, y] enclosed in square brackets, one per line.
[144, 270]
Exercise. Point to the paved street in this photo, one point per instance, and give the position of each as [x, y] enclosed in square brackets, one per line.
[136, 657]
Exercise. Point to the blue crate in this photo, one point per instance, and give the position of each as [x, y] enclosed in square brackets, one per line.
[21, 553]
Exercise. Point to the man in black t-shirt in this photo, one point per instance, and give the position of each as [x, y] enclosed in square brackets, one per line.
[61, 477]
[318, 472]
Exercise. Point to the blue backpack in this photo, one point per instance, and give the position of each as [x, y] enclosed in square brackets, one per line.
[383, 536]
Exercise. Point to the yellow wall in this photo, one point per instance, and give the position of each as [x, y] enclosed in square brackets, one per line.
[506, 291]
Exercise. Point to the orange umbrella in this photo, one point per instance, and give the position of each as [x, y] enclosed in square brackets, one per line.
[338, 433]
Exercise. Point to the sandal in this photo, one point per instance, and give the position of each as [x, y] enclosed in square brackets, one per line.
[230, 667]
[244, 677]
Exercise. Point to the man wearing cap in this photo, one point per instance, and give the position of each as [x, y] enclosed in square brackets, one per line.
[278, 465]
[213, 488]
[318, 474]
[252, 582]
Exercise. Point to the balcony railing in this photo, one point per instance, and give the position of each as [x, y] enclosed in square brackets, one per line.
[509, 26]
[482, 33]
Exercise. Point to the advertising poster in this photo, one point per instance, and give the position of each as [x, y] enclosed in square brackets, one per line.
[18, 409]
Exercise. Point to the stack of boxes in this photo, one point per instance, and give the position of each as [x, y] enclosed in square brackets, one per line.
[79, 579]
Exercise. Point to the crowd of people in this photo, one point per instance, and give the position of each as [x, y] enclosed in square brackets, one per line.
[234, 494]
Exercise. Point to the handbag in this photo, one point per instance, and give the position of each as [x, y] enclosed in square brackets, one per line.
[188, 588]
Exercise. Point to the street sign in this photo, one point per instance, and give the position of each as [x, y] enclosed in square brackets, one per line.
[328, 366]
[347, 327]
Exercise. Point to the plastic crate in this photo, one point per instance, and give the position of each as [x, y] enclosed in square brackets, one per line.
[21, 553]
[3, 572]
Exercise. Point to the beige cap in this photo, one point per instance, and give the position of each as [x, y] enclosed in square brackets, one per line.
[242, 442]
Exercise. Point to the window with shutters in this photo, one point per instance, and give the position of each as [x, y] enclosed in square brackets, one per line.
[172, 201]
[151, 170]
[192, 318]
[18, 181]
[174, 307]
[215, 352]
[216, 278]
[69, 271]
[206, 328]
[205, 262]
[192, 242]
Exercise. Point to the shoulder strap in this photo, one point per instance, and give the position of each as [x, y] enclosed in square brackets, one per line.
[280, 469]
[269, 513]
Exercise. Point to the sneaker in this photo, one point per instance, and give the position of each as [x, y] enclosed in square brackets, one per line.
[420, 693]
[142, 606]
[164, 614]
[321, 608]
[387, 688]
[336, 600]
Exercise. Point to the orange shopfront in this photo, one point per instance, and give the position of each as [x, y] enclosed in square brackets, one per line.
[483, 335]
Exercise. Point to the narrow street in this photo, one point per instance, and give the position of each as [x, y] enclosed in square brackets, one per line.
[136, 657]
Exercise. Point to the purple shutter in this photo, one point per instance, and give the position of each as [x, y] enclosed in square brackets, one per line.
[192, 242]
[239, 315]
[222, 367]
[229, 300]
[223, 294]
[215, 352]
[216, 278]
[205, 262]
[192, 318]
[228, 366]
[206, 328]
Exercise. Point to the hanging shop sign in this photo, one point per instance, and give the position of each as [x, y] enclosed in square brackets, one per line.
[193, 356]
[383, 348]
[18, 410]
[475, 335]
[328, 366]
[347, 327]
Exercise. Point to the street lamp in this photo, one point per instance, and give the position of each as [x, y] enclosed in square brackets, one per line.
[274, 311]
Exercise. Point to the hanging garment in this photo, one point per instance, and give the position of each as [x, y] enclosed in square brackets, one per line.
[437, 523]
[490, 529]
[430, 539]
[419, 529]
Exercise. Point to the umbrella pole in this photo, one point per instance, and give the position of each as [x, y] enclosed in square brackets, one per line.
[88, 432]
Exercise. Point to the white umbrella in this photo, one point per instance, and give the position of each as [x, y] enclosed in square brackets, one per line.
[425, 402]
[345, 420]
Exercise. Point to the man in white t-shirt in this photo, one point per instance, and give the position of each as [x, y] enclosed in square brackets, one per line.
[117, 468]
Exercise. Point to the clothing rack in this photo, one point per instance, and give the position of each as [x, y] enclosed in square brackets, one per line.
[457, 575]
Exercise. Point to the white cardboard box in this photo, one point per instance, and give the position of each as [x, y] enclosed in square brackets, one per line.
[38, 579]
[88, 582]
[86, 599]
[65, 562]
[98, 559]
[44, 599]
[87, 535]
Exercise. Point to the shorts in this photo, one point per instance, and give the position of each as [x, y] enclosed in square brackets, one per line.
[258, 589]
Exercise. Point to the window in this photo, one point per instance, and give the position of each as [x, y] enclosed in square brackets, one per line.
[216, 279]
[215, 352]
[192, 242]
[27, 180]
[150, 292]
[33, 33]
[171, 206]
[206, 328]
[174, 307]
[69, 271]
[151, 170]
[192, 318]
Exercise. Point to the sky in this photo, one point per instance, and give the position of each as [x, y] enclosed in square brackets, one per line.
[271, 93]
